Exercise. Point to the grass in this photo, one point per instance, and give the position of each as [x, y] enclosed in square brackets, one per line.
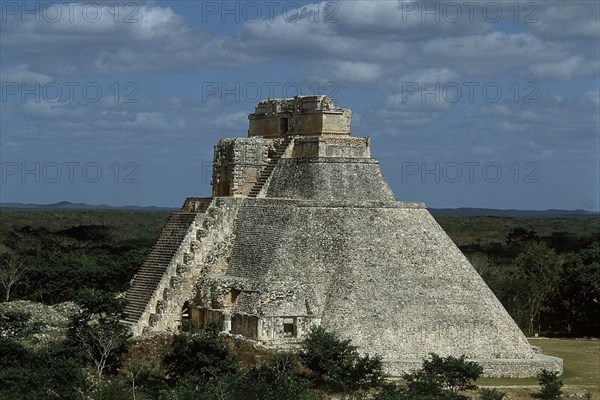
[581, 374]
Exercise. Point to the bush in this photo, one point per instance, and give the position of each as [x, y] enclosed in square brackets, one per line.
[550, 385]
[202, 356]
[323, 351]
[95, 334]
[491, 394]
[439, 379]
[443, 377]
[267, 383]
[111, 390]
[390, 391]
[338, 364]
[17, 324]
[26, 374]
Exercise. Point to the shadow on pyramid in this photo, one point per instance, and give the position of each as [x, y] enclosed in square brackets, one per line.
[302, 229]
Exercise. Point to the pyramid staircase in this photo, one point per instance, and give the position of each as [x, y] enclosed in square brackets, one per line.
[166, 280]
[266, 173]
[148, 279]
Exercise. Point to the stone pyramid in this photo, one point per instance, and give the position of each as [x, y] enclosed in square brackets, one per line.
[302, 229]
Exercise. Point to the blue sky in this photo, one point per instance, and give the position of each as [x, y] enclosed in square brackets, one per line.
[469, 104]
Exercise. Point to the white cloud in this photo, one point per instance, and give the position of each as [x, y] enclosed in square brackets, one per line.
[351, 72]
[157, 40]
[563, 19]
[549, 123]
[405, 20]
[492, 53]
[365, 41]
[572, 67]
[431, 75]
[48, 110]
[234, 123]
[147, 120]
[22, 74]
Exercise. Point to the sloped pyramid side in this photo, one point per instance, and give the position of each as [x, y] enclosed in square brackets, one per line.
[388, 277]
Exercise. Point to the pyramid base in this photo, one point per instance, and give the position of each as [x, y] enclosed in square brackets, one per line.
[492, 368]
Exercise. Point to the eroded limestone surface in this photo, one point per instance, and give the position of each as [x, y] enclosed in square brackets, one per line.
[303, 229]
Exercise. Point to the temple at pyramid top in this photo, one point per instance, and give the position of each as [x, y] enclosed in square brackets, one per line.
[299, 116]
[294, 149]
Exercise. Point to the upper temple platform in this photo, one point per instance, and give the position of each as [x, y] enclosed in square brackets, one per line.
[301, 115]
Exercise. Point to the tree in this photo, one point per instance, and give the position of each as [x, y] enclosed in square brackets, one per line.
[539, 268]
[97, 330]
[482, 263]
[37, 374]
[323, 351]
[202, 356]
[11, 271]
[337, 363]
[520, 236]
[579, 292]
[266, 382]
[441, 375]
[141, 370]
[101, 342]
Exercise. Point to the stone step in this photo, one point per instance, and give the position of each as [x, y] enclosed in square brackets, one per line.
[154, 267]
[138, 301]
[268, 170]
[159, 257]
[138, 305]
[148, 283]
[137, 296]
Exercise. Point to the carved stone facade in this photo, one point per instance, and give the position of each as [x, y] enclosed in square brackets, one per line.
[303, 230]
[237, 164]
[301, 115]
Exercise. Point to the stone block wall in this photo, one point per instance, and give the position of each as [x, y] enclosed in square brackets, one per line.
[237, 164]
[493, 368]
[331, 146]
[301, 115]
[329, 178]
[196, 204]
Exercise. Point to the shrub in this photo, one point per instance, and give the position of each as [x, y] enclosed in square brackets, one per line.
[454, 374]
[550, 385]
[27, 374]
[95, 334]
[267, 383]
[202, 356]
[390, 391]
[17, 324]
[111, 390]
[491, 394]
[323, 351]
[442, 377]
[337, 363]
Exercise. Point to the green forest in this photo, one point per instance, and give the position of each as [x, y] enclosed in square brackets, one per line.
[545, 271]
